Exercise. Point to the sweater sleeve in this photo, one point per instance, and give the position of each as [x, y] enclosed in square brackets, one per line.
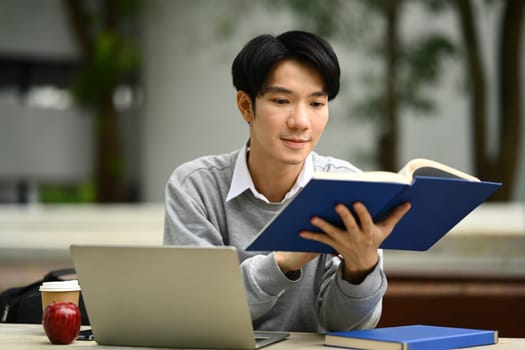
[264, 283]
[342, 305]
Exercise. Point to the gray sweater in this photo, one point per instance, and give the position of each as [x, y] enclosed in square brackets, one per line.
[320, 300]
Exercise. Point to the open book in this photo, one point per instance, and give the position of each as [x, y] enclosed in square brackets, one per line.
[440, 196]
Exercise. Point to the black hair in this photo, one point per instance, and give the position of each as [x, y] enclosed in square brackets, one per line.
[254, 62]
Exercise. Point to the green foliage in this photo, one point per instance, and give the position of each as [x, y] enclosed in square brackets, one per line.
[128, 8]
[350, 21]
[425, 58]
[369, 106]
[80, 193]
[423, 62]
[113, 57]
[319, 15]
[109, 47]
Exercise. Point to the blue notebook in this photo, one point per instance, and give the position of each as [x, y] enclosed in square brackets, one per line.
[440, 196]
[413, 337]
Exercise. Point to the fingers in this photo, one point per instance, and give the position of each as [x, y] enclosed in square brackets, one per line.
[366, 221]
[347, 217]
[329, 230]
[319, 237]
[349, 220]
[331, 233]
[361, 220]
[396, 215]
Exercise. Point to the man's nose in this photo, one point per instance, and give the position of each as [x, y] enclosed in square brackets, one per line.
[299, 118]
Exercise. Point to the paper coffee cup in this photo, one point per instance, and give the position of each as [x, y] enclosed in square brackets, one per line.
[60, 291]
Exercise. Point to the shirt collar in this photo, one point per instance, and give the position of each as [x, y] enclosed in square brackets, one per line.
[242, 180]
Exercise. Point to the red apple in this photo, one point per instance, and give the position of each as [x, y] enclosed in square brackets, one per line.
[62, 322]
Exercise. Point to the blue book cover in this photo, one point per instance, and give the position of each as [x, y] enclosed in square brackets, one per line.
[413, 337]
[438, 204]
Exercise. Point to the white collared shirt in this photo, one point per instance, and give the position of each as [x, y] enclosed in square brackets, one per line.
[242, 180]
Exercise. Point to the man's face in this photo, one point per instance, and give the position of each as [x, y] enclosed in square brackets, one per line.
[290, 116]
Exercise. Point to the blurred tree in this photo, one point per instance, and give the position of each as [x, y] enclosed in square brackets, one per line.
[501, 164]
[104, 32]
[409, 67]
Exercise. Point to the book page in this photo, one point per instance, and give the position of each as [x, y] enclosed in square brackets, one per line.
[426, 167]
[370, 176]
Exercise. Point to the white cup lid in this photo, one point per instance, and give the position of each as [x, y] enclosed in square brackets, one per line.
[60, 286]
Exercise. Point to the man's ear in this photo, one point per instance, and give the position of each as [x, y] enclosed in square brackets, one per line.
[244, 103]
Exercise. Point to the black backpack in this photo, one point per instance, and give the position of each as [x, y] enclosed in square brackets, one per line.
[24, 304]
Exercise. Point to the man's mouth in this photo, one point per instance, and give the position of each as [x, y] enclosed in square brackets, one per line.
[295, 142]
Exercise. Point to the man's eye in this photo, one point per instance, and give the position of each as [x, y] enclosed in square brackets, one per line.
[280, 101]
[317, 104]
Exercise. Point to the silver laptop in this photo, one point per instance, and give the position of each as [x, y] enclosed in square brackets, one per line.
[167, 296]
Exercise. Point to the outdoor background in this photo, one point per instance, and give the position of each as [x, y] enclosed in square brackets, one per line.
[101, 100]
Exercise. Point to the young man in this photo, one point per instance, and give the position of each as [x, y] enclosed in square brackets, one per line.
[283, 87]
